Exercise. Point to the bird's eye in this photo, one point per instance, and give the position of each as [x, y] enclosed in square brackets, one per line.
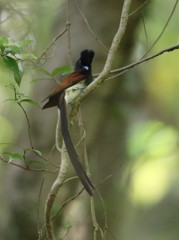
[86, 67]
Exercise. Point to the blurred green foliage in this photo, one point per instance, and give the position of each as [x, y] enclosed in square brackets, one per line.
[152, 136]
[153, 146]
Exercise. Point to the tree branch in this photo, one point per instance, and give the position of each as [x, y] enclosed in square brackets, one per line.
[57, 184]
[109, 62]
[104, 75]
[98, 81]
[122, 69]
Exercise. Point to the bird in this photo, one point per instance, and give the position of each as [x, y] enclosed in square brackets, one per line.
[65, 93]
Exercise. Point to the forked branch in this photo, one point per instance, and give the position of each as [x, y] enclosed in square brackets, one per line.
[103, 75]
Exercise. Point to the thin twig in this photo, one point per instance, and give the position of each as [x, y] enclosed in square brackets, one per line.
[16, 97]
[29, 130]
[64, 205]
[23, 16]
[112, 234]
[40, 192]
[67, 202]
[28, 124]
[51, 44]
[89, 28]
[68, 26]
[67, 231]
[96, 226]
[92, 206]
[145, 31]
[38, 207]
[170, 49]
[69, 179]
[121, 70]
[104, 207]
[26, 168]
[163, 30]
[141, 6]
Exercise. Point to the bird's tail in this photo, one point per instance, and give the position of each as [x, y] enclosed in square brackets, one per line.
[70, 148]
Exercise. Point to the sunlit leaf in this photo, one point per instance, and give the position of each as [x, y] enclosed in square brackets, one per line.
[13, 156]
[12, 64]
[16, 156]
[62, 70]
[29, 55]
[37, 152]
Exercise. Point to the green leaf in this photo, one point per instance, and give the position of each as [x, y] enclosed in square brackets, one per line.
[18, 76]
[66, 69]
[13, 156]
[37, 152]
[28, 100]
[24, 43]
[12, 64]
[3, 43]
[13, 49]
[29, 56]
[16, 156]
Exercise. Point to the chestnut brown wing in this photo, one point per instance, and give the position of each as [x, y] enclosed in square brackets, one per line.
[71, 80]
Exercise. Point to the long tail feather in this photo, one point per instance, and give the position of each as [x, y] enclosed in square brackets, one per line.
[70, 148]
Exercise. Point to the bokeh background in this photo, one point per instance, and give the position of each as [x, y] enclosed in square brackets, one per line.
[131, 122]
